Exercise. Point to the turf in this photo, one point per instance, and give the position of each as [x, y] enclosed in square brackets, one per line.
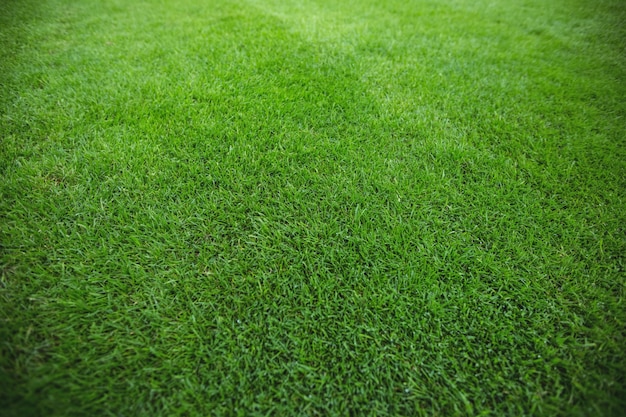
[318, 207]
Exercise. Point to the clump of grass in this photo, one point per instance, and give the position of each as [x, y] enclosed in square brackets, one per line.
[314, 208]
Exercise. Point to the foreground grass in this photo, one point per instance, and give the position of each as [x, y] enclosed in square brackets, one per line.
[315, 208]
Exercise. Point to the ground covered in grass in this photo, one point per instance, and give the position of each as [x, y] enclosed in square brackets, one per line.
[319, 207]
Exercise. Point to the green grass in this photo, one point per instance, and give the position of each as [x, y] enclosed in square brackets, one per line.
[319, 207]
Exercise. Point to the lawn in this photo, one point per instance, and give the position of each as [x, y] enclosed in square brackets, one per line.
[312, 207]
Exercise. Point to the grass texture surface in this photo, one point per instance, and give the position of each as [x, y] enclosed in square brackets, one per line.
[316, 207]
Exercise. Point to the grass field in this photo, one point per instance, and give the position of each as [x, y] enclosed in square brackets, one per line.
[315, 207]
